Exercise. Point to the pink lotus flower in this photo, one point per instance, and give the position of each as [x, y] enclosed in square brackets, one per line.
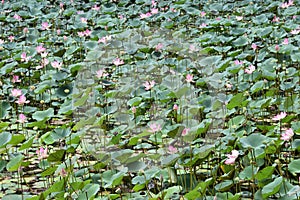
[25, 30]
[172, 149]
[192, 48]
[80, 34]
[45, 61]
[295, 31]
[133, 109]
[105, 39]
[22, 100]
[202, 13]
[254, 46]
[154, 11]
[276, 19]
[153, 3]
[1, 41]
[22, 118]
[287, 135]
[83, 20]
[143, 16]
[189, 78]
[149, 84]
[45, 26]
[231, 157]
[154, 128]
[118, 62]
[87, 32]
[159, 46]
[24, 57]
[279, 117]
[44, 54]
[40, 49]
[101, 73]
[175, 107]
[63, 172]
[96, 8]
[16, 92]
[203, 25]
[285, 41]
[250, 69]
[277, 47]
[185, 131]
[16, 79]
[61, 5]
[17, 17]
[228, 85]
[239, 18]
[42, 153]
[58, 31]
[11, 38]
[237, 62]
[56, 64]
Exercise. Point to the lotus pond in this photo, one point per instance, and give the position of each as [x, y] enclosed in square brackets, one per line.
[149, 99]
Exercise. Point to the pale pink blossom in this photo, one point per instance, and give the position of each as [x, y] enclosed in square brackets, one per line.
[87, 32]
[17, 17]
[22, 118]
[22, 100]
[24, 57]
[63, 172]
[61, 5]
[16, 79]
[250, 69]
[1, 41]
[39, 67]
[154, 128]
[172, 149]
[118, 62]
[44, 54]
[189, 78]
[175, 107]
[16, 92]
[295, 31]
[65, 38]
[192, 48]
[231, 157]
[287, 135]
[25, 30]
[101, 73]
[239, 18]
[275, 19]
[154, 11]
[280, 116]
[153, 3]
[254, 46]
[80, 34]
[284, 5]
[45, 26]
[143, 16]
[11, 38]
[159, 46]
[56, 64]
[40, 49]
[45, 61]
[285, 41]
[202, 13]
[294, 17]
[42, 153]
[203, 25]
[185, 131]
[277, 47]
[58, 31]
[133, 109]
[237, 62]
[83, 20]
[149, 84]
[96, 8]
[104, 39]
[228, 85]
